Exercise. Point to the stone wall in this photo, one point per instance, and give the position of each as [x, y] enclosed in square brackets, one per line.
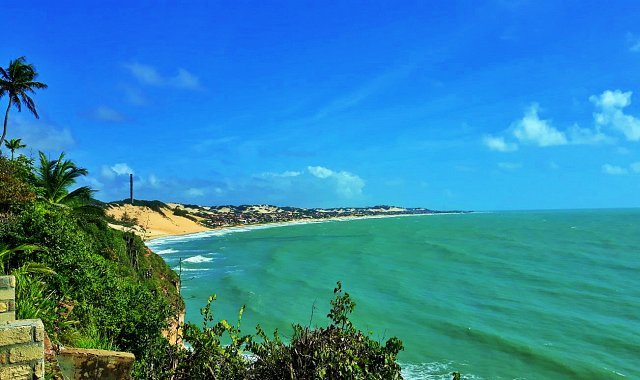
[22, 349]
[95, 364]
[21, 342]
[7, 298]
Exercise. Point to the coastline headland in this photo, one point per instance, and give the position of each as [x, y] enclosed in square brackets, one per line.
[156, 219]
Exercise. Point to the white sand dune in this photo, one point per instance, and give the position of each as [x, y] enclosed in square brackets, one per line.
[152, 224]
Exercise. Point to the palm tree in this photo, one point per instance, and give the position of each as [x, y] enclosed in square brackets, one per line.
[55, 177]
[13, 145]
[17, 81]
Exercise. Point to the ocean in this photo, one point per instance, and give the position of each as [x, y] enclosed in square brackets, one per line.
[504, 295]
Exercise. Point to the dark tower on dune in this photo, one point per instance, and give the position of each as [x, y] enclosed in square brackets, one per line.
[131, 188]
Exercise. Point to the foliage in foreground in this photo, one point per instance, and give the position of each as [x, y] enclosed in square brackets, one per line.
[220, 351]
[92, 286]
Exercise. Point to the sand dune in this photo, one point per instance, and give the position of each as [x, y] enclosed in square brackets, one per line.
[152, 224]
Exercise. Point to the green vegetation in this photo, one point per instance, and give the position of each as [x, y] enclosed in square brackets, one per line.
[91, 285]
[219, 350]
[13, 145]
[184, 214]
[97, 287]
[54, 177]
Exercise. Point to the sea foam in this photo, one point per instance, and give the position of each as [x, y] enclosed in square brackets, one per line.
[197, 259]
[166, 251]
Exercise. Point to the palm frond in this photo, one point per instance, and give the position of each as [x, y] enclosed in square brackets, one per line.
[37, 85]
[15, 100]
[55, 177]
[81, 194]
[31, 106]
[27, 248]
[33, 268]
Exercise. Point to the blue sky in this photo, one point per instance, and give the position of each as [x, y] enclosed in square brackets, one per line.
[447, 105]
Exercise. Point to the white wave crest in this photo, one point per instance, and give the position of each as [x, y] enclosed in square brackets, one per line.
[431, 371]
[166, 251]
[197, 259]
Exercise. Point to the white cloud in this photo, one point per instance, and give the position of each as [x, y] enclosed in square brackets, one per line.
[533, 130]
[509, 165]
[121, 169]
[105, 113]
[107, 172]
[580, 135]
[134, 96]
[185, 79]
[613, 169]
[635, 167]
[194, 192]
[538, 132]
[612, 99]
[611, 105]
[348, 184]
[320, 172]
[285, 174]
[147, 74]
[499, 144]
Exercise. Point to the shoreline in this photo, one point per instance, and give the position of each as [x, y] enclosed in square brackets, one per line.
[254, 226]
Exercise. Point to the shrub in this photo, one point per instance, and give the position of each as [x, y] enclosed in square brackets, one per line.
[96, 283]
[13, 187]
[338, 351]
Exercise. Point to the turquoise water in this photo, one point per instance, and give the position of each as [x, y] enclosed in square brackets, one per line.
[527, 295]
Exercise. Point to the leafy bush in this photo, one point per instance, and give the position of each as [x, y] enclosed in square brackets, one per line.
[96, 283]
[208, 357]
[13, 188]
[337, 351]
[184, 214]
[219, 350]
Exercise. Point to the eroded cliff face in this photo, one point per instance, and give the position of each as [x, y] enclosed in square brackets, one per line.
[173, 333]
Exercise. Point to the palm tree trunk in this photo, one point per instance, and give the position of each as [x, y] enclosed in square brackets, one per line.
[4, 130]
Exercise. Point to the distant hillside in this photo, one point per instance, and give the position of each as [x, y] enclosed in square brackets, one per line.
[151, 219]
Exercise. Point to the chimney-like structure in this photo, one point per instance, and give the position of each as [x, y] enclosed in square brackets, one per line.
[131, 187]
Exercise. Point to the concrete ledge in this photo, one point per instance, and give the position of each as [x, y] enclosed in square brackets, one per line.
[78, 363]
